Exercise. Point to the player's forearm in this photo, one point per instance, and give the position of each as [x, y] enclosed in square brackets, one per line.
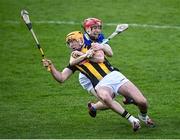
[97, 59]
[107, 50]
[98, 56]
[57, 75]
[77, 60]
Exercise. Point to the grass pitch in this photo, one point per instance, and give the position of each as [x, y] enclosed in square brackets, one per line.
[33, 105]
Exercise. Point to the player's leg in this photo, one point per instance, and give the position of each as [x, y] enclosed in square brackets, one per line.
[128, 89]
[106, 95]
[99, 105]
[87, 85]
[128, 101]
[93, 107]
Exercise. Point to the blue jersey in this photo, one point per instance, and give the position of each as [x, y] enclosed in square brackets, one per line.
[88, 41]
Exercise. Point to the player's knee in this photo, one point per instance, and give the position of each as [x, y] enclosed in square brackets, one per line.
[104, 96]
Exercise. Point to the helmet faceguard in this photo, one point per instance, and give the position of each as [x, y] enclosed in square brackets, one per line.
[90, 22]
[75, 35]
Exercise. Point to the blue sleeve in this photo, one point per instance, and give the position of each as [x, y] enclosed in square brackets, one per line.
[100, 38]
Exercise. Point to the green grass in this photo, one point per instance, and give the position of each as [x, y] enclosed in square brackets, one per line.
[33, 105]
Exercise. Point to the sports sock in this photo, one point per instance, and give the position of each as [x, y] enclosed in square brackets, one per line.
[129, 117]
[132, 119]
[126, 114]
[143, 114]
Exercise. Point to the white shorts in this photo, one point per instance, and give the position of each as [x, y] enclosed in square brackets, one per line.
[113, 80]
[85, 82]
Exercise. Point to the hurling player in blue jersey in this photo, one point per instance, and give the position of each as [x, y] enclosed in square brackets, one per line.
[92, 27]
[93, 34]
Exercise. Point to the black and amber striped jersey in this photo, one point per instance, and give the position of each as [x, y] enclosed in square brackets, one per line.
[94, 71]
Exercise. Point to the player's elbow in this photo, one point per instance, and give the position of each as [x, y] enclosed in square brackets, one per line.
[101, 59]
[59, 77]
[60, 80]
[71, 63]
[109, 54]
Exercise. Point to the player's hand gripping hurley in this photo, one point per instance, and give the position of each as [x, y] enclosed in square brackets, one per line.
[26, 19]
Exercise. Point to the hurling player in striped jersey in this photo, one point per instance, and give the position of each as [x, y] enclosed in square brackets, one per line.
[92, 27]
[96, 72]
